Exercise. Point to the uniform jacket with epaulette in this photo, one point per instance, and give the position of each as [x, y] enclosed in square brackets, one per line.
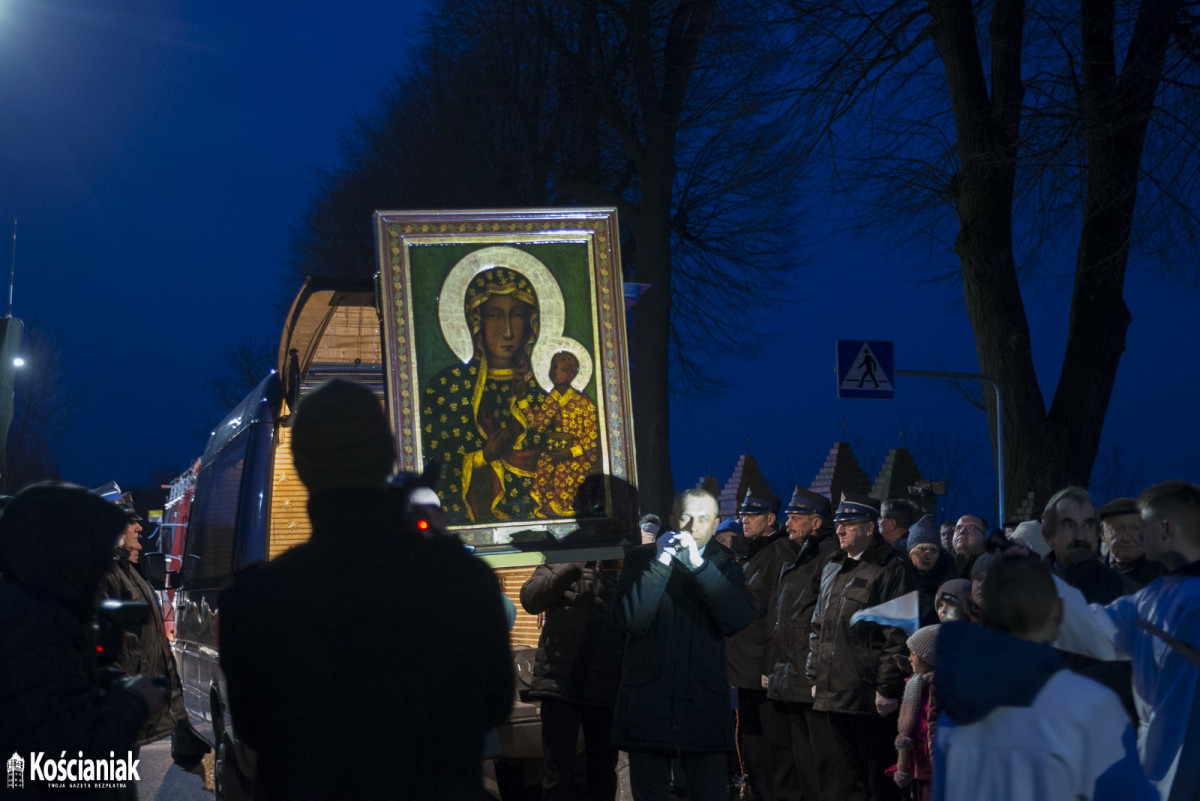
[850, 664]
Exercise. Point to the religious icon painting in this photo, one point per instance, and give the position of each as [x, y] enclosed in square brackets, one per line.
[508, 367]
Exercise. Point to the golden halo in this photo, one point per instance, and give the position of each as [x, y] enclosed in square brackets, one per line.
[542, 356]
[551, 309]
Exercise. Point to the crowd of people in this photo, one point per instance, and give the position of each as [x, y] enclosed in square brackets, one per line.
[826, 650]
[863, 651]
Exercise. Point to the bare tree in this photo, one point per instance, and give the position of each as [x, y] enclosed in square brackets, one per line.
[246, 364]
[44, 401]
[1017, 132]
[657, 108]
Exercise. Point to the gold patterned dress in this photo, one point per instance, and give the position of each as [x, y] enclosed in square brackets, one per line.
[557, 483]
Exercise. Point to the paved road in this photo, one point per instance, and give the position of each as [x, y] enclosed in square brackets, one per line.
[163, 780]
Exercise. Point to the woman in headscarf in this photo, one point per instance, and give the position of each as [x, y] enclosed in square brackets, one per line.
[483, 420]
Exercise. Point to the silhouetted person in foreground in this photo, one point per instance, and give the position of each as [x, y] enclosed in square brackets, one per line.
[56, 541]
[370, 661]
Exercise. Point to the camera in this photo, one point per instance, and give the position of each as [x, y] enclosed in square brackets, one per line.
[113, 618]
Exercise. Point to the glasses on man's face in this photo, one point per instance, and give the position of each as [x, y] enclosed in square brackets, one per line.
[968, 527]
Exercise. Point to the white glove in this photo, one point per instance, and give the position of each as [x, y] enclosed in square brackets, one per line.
[689, 551]
[666, 547]
[814, 692]
[886, 706]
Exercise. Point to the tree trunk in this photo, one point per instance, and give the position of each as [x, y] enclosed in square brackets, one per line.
[649, 350]
[1045, 451]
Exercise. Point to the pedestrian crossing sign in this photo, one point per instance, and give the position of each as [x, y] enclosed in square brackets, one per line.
[865, 369]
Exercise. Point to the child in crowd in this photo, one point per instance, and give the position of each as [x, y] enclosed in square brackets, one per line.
[914, 765]
[954, 600]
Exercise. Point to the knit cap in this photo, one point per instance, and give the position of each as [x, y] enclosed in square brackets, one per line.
[924, 643]
[341, 438]
[958, 589]
[732, 525]
[924, 532]
[1030, 535]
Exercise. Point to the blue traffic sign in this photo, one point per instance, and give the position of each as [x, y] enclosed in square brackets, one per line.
[865, 369]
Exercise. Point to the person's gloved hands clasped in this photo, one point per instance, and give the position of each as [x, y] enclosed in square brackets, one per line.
[666, 546]
[689, 551]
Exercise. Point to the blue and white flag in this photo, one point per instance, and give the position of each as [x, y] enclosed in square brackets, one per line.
[903, 613]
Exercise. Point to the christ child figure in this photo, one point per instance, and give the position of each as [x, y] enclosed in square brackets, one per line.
[571, 442]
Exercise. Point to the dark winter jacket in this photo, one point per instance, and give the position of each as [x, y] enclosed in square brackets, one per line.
[147, 651]
[56, 542]
[1098, 584]
[673, 691]
[850, 664]
[746, 658]
[791, 620]
[579, 651]
[1138, 573]
[368, 662]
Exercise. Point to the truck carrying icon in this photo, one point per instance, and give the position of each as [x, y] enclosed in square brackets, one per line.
[247, 504]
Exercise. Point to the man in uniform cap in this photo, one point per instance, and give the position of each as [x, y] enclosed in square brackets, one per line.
[1121, 525]
[765, 745]
[145, 650]
[854, 709]
[810, 533]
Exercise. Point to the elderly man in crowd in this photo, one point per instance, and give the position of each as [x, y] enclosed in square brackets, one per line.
[856, 706]
[810, 530]
[1122, 532]
[1071, 526]
[764, 739]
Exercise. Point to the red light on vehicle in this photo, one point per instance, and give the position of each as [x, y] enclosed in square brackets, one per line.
[422, 524]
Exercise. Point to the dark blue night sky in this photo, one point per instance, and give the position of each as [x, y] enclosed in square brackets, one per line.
[156, 156]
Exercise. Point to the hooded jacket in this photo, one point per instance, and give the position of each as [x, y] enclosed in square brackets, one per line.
[56, 541]
[1015, 724]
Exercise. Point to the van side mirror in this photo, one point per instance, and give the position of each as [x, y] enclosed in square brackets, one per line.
[189, 569]
[154, 568]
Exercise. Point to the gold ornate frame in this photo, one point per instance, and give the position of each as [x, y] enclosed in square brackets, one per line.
[571, 258]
